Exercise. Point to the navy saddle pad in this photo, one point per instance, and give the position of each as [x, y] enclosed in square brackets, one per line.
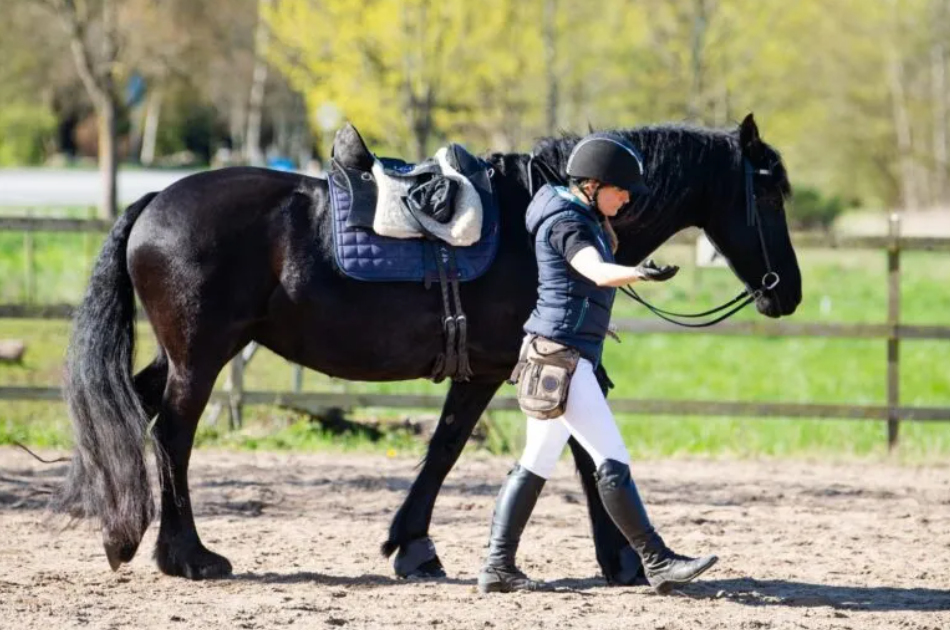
[362, 254]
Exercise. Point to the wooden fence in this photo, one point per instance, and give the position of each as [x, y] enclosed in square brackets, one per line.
[892, 331]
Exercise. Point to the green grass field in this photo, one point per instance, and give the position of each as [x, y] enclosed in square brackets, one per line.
[839, 286]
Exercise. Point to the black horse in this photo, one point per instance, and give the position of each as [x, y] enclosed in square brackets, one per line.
[225, 257]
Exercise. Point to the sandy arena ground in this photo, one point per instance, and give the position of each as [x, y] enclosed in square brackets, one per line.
[801, 545]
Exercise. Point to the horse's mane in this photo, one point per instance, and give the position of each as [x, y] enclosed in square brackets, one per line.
[679, 160]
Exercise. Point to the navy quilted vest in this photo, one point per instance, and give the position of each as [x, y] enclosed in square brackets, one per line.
[570, 309]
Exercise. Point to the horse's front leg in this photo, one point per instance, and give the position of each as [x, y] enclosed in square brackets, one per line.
[409, 531]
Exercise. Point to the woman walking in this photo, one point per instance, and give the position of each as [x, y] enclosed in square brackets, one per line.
[574, 245]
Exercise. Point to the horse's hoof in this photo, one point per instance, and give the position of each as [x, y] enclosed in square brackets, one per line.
[428, 569]
[418, 559]
[196, 563]
[119, 554]
[630, 571]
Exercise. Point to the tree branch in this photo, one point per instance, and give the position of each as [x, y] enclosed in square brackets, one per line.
[74, 21]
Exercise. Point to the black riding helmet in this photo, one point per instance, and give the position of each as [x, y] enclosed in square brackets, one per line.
[609, 159]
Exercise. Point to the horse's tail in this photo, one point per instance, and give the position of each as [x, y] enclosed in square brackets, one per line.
[108, 478]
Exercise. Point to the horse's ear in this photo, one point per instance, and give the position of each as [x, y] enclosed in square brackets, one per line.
[749, 138]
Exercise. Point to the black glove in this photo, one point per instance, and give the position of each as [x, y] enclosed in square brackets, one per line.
[649, 271]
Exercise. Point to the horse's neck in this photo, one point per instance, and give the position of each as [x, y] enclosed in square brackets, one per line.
[681, 200]
[512, 182]
[652, 225]
[637, 245]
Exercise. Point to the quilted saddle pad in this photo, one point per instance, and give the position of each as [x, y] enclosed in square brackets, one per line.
[362, 254]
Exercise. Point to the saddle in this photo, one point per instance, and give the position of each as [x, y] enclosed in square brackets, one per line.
[435, 199]
[360, 184]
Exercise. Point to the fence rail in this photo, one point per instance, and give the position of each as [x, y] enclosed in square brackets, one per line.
[622, 405]
[43, 224]
[801, 240]
[728, 329]
[893, 331]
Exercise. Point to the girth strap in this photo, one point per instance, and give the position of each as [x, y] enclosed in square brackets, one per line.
[464, 372]
[454, 361]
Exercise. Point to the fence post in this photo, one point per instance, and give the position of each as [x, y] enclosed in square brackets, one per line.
[297, 378]
[88, 238]
[236, 393]
[893, 321]
[29, 263]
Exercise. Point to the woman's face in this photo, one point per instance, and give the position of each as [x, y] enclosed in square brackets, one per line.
[611, 199]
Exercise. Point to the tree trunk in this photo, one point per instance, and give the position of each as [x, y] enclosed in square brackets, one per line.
[422, 122]
[255, 116]
[938, 57]
[107, 111]
[418, 88]
[255, 154]
[153, 111]
[550, 65]
[108, 160]
[902, 130]
[700, 27]
[98, 77]
[237, 127]
[421, 141]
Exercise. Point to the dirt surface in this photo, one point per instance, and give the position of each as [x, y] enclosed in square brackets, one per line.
[800, 545]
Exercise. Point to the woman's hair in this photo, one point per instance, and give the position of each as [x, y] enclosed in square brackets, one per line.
[611, 235]
[580, 181]
[612, 239]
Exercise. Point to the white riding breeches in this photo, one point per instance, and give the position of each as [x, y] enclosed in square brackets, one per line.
[587, 417]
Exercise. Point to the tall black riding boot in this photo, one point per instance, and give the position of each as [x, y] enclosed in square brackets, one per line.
[516, 501]
[663, 568]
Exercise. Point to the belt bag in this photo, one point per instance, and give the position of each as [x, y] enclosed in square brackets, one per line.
[543, 375]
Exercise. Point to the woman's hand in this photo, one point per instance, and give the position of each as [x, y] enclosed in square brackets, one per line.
[589, 263]
[650, 272]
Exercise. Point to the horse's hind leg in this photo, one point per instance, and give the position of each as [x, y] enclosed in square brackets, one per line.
[618, 561]
[179, 550]
[150, 383]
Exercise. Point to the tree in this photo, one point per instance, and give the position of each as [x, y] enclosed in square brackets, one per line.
[854, 93]
[409, 71]
[27, 88]
[85, 22]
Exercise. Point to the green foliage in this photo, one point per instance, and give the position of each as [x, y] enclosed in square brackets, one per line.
[26, 130]
[276, 429]
[187, 125]
[808, 210]
[833, 84]
[818, 75]
[62, 264]
[407, 71]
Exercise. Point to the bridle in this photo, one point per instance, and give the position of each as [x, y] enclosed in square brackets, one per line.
[769, 281]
